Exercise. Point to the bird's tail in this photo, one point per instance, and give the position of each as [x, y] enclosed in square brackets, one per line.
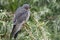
[15, 30]
[12, 33]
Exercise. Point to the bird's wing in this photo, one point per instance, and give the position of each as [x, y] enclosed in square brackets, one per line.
[19, 20]
[20, 16]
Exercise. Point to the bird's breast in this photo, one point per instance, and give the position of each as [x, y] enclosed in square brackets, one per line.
[28, 16]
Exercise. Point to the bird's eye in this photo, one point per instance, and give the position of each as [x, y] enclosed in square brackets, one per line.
[26, 8]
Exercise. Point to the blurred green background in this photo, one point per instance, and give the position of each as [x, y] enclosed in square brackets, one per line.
[43, 24]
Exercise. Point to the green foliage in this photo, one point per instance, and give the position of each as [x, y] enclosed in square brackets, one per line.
[44, 22]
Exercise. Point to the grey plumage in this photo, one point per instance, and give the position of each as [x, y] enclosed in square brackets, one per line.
[20, 17]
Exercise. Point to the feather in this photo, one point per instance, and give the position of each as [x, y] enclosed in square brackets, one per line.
[20, 17]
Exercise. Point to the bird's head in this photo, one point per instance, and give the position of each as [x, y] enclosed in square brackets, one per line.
[26, 6]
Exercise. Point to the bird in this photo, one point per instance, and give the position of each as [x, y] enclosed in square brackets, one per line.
[21, 16]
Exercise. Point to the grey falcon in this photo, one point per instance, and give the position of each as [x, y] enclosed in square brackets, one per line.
[21, 16]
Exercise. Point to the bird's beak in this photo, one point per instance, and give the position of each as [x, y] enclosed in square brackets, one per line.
[29, 7]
